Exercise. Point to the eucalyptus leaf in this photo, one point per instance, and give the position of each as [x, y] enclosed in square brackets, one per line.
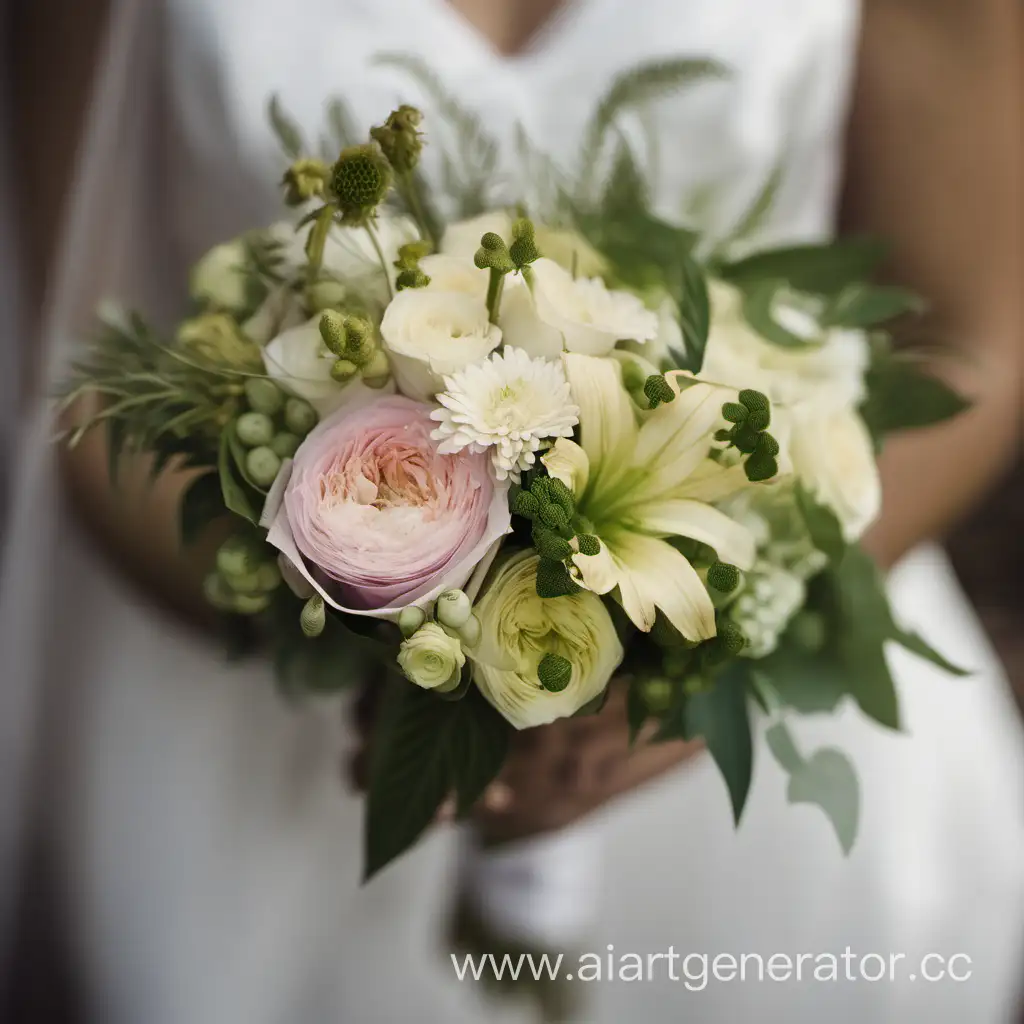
[903, 396]
[916, 644]
[720, 715]
[867, 305]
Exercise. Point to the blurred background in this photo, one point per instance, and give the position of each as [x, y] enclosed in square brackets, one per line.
[37, 981]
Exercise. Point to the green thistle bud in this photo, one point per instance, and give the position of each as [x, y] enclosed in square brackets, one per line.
[554, 672]
[554, 516]
[470, 632]
[589, 544]
[399, 138]
[332, 330]
[723, 577]
[360, 179]
[658, 390]
[262, 465]
[305, 180]
[299, 416]
[734, 412]
[745, 438]
[553, 579]
[523, 249]
[254, 429]
[767, 445]
[410, 619]
[760, 468]
[314, 616]
[453, 609]
[758, 408]
[526, 505]
[550, 545]
[285, 444]
[263, 396]
[493, 254]
[343, 370]
[730, 641]
[376, 371]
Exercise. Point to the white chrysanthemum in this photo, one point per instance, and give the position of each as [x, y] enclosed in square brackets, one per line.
[510, 403]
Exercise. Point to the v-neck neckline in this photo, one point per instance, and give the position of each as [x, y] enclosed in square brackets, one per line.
[545, 38]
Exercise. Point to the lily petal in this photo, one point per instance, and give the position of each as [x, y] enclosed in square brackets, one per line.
[608, 430]
[683, 517]
[568, 462]
[600, 573]
[711, 481]
[654, 575]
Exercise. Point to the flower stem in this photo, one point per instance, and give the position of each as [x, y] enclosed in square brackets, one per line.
[495, 287]
[372, 232]
[411, 194]
[317, 240]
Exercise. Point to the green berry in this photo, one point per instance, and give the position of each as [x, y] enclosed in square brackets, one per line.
[299, 416]
[254, 429]
[525, 504]
[723, 577]
[554, 672]
[268, 577]
[262, 465]
[236, 558]
[250, 604]
[263, 396]
[285, 444]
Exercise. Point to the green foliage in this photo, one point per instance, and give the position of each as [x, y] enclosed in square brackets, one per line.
[238, 496]
[759, 301]
[424, 750]
[289, 136]
[867, 305]
[903, 396]
[754, 219]
[826, 779]
[823, 526]
[201, 504]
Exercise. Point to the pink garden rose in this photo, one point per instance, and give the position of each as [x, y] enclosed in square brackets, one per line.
[375, 519]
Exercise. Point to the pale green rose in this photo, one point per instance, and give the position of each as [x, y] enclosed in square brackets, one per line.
[519, 629]
[431, 658]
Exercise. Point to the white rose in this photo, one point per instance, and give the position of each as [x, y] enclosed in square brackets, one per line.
[431, 658]
[463, 237]
[429, 333]
[455, 274]
[561, 313]
[219, 278]
[830, 371]
[833, 455]
[300, 362]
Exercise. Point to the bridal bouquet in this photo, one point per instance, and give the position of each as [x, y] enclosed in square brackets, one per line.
[497, 465]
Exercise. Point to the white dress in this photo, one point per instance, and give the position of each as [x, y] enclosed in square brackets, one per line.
[207, 849]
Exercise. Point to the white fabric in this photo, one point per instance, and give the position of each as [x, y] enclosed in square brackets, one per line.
[207, 848]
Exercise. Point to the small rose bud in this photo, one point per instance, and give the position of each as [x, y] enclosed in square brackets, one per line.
[410, 619]
[453, 609]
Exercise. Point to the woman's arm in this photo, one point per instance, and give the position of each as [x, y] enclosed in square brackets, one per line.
[934, 167]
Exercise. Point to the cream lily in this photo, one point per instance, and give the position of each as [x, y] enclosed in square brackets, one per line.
[638, 485]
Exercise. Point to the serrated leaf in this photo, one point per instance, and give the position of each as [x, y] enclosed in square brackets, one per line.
[720, 715]
[826, 779]
[425, 749]
[236, 498]
[288, 134]
[902, 396]
[200, 505]
[867, 305]
[821, 269]
[822, 524]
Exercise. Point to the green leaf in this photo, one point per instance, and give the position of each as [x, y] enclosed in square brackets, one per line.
[424, 750]
[759, 311]
[200, 505]
[822, 524]
[826, 779]
[866, 305]
[902, 396]
[808, 682]
[721, 716]
[636, 709]
[236, 498]
[694, 313]
[289, 136]
[822, 269]
[238, 453]
[755, 218]
[916, 644]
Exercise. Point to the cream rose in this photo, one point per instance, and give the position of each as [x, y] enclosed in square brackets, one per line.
[560, 313]
[833, 455]
[431, 658]
[428, 333]
[519, 629]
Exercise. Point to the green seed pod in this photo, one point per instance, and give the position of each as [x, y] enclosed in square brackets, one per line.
[550, 545]
[658, 390]
[314, 616]
[285, 444]
[589, 544]
[254, 429]
[523, 249]
[734, 412]
[526, 505]
[332, 330]
[360, 179]
[343, 370]
[217, 592]
[304, 180]
[553, 579]
[263, 396]
[262, 465]
[376, 371]
[723, 577]
[554, 672]
[299, 416]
